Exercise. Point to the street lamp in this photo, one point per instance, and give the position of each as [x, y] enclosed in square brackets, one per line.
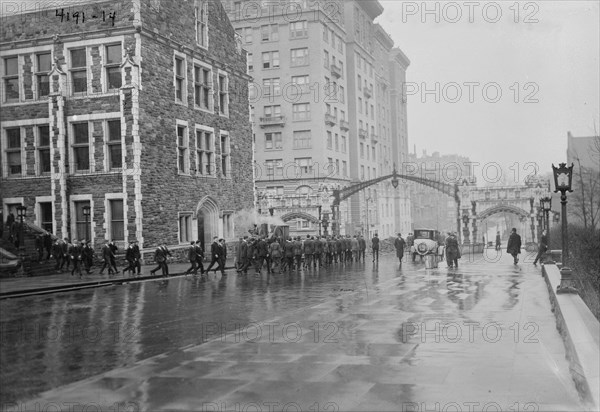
[86, 213]
[367, 200]
[563, 177]
[546, 203]
[21, 210]
[465, 219]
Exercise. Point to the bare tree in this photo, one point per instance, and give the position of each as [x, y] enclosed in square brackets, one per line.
[586, 197]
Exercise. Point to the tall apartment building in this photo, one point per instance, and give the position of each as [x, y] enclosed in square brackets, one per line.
[314, 109]
[134, 110]
[432, 208]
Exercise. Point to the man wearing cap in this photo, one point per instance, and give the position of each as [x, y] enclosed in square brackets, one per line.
[88, 255]
[399, 244]
[107, 254]
[75, 253]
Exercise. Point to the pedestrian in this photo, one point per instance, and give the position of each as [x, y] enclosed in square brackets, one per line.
[10, 220]
[320, 247]
[238, 255]
[244, 261]
[113, 257]
[452, 250]
[275, 252]
[498, 241]
[399, 244]
[88, 256]
[66, 246]
[132, 255]
[375, 247]
[59, 256]
[75, 252]
[348, 248]
[161, 255]
[192, 256]
[298, 253]
[289, 254]
[542, 248]
[309, 250]
[200, 256]
[252, 253]
[514, 245]
[215, 252]
[362, 247]
[355, 248]
[222, 256]
[262, 252]
[331, 258]
[107, 256]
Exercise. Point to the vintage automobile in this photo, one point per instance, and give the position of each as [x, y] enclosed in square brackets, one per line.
[426, 242]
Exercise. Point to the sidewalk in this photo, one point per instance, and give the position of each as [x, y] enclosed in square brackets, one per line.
[24, 285]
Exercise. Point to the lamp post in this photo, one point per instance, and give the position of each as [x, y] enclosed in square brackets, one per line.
[465, 219]
[21, 210]
[86, 213]
[563, 177]
[547, 206]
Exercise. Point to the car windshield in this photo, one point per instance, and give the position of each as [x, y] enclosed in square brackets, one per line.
[423, 234]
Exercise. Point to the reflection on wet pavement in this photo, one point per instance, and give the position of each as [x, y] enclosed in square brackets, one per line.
[361, 337]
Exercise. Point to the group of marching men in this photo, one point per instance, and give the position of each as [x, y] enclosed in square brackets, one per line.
[79, 255]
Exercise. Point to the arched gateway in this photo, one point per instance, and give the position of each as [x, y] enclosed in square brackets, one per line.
[207, 215]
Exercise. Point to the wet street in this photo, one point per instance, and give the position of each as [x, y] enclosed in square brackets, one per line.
[355, 337]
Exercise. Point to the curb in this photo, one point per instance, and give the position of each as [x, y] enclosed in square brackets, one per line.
[580, 332]
[86, 285]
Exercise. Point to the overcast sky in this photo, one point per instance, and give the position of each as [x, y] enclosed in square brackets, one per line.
[550, 56]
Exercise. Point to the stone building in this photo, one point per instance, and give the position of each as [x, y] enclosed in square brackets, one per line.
[136, 109]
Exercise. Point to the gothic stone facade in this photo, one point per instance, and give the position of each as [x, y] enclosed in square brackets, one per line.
[139, 112]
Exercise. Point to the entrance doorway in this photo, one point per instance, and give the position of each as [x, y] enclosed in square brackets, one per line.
[207, 216]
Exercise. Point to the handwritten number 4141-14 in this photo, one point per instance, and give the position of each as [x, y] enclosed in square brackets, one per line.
[77, 15]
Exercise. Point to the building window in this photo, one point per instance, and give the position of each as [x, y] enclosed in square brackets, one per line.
[228, 228]
[81, 229]
[272, 111]
[362, 173]
[273, 141]
[45, 209]
[301, 111]
[275, 190]
[79, 70]
[225, 155]
[344, 168]
[246, 33]
[43, 149]
[329, 140]
[299, 57]
[304, 164]
[250, 61]
[298, 29]
[373, 156]
[223, 94]
[337, 142]
[325, 34]
[205, 146]
[272, 86]
[326, 59]
[300, 80]
[203, 87]
[368, 152]
[13, 152]
[269, 32]
[185, 227]
[340, 45]
[362, 150]
[81, 147]
[337, 167]
[113, 144]
[270, 60]
[179, 80]
[113, 66]
[117, 219]
[201, 16]
[274, 167]
[11, 79]
[44, 65]
[360, 105]
[182, 150]
[302, 139]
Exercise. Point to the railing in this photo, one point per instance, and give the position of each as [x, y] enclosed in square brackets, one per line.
[368, 92]
[330, 119]
[272, 121]
[363, 134]
[374, 138]
[344, 125]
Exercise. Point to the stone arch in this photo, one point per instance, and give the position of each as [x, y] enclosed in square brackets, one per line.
[207, 218]
[299, 215]
[503, 209]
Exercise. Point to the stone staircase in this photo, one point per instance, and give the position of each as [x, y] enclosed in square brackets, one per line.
[28, 257]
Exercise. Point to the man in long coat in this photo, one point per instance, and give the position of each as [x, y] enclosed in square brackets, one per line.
[514, 245]
[399, 244]
[452, 250]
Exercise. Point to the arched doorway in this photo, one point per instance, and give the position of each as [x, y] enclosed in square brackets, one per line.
[207, 217]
